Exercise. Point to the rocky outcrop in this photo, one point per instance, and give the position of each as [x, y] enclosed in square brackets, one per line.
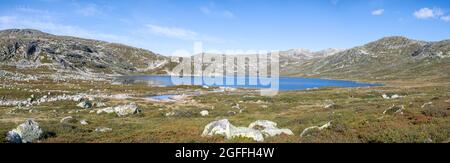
[25, 48]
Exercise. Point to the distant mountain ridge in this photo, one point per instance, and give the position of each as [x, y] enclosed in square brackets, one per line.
[387, 58]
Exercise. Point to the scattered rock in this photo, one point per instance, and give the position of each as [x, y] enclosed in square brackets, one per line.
[103, 129]
[99, 104]
[85, 105]
[394, 96]
[231, 113]
[68, 119]
[426, 104]
[329, 104]
[26, 132]
[169, 114]
[236, 106]
[394, 110]
[306, 130]
[84, 122]
[204, 113]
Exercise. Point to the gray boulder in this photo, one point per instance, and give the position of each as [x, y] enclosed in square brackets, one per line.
[85, 104]
[26, 132]
[269, 128]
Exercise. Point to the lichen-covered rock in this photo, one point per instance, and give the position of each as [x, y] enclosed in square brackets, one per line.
[125, 110]
[27, 132]
[122, 110]
[269, 128]
[217, 128]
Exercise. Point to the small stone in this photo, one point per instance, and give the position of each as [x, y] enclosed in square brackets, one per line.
[204, 113]
[103, 129]
[84, 122]
[67, 119]
[394, 110]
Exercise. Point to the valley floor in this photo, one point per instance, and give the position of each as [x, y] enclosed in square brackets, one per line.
[356, 114]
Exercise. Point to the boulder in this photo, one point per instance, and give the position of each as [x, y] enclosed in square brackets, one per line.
[122, 110]
[306, 130]
[85, 104]
[217, 128]
[269, 128]
[204, 113]
[125, 110]
[26, 132]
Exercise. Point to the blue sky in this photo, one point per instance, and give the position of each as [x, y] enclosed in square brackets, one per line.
[164, 26]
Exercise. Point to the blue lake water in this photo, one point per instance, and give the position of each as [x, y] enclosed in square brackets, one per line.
[285, 83]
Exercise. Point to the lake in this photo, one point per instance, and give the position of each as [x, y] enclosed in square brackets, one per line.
[285, 83]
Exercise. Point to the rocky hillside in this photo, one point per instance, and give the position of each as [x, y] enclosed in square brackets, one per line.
[387, 58]
[27, 50]
[293, 57]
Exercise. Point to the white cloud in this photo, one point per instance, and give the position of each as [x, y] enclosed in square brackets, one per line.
[427, 13]
[182, 34]
[211, 10]
[446, 18]
[88, 10]
[173, 32]
[378, 12]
